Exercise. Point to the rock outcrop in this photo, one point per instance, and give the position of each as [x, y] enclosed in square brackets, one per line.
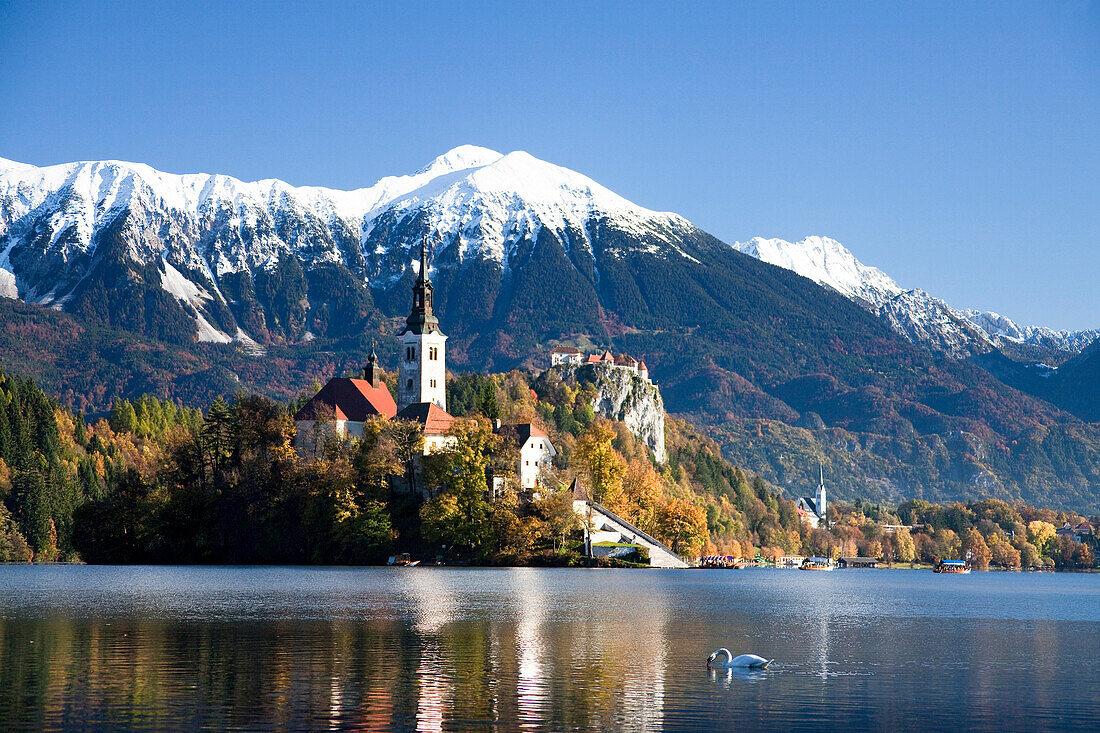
[623, 395]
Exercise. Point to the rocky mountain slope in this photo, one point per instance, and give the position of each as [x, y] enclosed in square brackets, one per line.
[915, 314]
[148, 266]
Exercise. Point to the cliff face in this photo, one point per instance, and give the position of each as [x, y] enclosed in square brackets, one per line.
[623, 395]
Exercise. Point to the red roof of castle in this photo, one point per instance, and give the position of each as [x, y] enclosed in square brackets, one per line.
[565, 350]
[350, 399]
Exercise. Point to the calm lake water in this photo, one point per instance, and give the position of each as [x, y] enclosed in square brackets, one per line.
[442, 648]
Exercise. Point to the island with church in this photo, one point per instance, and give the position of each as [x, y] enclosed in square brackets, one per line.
[345, 406]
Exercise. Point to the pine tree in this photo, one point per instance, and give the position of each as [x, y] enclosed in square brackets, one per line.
[80, 433]
[487, 402]
[123, 417]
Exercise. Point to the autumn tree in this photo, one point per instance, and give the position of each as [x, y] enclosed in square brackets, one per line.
[682, 526]
[459, 516]
[598, 461]
[975, 550]
[904, 549]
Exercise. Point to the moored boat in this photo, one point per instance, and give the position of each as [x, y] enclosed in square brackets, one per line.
[817, 563]
[951, 566]
[403, 560]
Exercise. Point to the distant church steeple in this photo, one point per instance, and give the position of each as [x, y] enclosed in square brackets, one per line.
[820, 498]
[422, 368]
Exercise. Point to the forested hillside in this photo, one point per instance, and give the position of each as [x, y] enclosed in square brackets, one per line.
[154, 482]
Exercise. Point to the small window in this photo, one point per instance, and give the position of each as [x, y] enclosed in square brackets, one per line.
[410, 353]
[527, 463]
[410, 384]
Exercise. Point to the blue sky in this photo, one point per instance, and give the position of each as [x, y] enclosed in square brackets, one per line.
[954, 145]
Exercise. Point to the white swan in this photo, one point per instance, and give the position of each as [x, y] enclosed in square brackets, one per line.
[743, 661]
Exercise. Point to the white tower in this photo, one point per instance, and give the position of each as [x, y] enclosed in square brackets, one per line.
[820, 498]
[422, 364]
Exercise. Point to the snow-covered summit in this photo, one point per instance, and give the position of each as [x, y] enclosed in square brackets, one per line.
[472, 202]
[914, 313]
[825, 261]
[461, 158]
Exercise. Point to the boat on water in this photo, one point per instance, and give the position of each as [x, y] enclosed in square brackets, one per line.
[951, 566]
[724, 562]
[817, 563]
[404, 560]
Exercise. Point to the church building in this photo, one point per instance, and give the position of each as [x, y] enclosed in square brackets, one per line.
[345, 404]
[811, 509]
[421, 364]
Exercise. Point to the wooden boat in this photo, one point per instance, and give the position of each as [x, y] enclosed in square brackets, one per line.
[817, 563]
[951, 566]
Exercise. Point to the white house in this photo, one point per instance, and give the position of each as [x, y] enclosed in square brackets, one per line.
[565, 355]
[536, 453]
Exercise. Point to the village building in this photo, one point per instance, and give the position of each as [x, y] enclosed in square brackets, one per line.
[812, 509]
[435, 422]
[1078, 533]
[536, 453]
[857, 562]
[565, 355]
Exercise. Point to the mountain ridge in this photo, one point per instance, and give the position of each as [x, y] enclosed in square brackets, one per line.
[912, 312]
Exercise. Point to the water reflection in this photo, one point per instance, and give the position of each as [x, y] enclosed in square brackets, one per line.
[440, 649]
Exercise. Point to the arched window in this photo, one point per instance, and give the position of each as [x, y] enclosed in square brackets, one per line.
[409, 384]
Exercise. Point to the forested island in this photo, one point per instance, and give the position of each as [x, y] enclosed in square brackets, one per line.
[154, 482]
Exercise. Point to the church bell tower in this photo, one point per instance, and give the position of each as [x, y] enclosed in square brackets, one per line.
[422, 365]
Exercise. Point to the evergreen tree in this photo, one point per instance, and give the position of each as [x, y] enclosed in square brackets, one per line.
[123, 417]
[487, 401]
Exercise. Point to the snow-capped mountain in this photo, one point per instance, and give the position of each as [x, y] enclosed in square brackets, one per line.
[914, 313]
[200, 233]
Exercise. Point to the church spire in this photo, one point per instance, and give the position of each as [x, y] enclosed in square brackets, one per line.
[373, 373]
[421, 319]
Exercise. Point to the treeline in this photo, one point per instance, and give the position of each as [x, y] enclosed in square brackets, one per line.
[156, 482]
[52, 464]
[986, 533]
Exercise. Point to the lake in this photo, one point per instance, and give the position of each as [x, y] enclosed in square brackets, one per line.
[260, 648]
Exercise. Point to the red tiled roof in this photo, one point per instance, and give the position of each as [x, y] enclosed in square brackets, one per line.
[565, 350]
[624, 360]
[435, 420]
[350, 399]
[642, 366]
[522, 432]
[593, 359]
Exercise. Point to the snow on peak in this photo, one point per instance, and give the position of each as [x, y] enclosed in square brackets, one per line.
[6, 164]
[915, 314]
[461, 158]
[825, 261]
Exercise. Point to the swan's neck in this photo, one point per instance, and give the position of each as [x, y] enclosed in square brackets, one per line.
[729, 656]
